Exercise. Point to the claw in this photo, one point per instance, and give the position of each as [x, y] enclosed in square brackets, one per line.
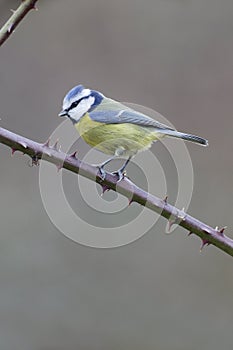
[120, 174]
[102, 172]
[34, 161]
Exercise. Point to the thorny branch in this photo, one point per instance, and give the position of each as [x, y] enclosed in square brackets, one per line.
[127, 188]
[53, 155]
[17, 16]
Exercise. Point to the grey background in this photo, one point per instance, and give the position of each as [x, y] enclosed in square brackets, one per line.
[174, 56]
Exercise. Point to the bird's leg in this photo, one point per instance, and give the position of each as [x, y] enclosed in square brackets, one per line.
[120, 172]
[101, 167]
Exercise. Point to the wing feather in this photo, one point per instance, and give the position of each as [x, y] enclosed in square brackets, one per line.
[110, 116]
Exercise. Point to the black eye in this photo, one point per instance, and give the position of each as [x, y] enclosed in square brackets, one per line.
[74, 104]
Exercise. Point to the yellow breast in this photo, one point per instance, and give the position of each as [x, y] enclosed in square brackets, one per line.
[116, 139]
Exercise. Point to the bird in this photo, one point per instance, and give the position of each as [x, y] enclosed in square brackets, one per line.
[113, 128]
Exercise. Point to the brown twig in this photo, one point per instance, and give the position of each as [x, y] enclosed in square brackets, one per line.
[128, 189]
[16, 18]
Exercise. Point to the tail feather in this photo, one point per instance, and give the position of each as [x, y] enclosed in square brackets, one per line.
[183, 136]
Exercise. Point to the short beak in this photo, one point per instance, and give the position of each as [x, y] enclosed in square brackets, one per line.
[63, 113]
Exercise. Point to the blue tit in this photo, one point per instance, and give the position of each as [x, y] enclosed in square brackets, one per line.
[114, 128]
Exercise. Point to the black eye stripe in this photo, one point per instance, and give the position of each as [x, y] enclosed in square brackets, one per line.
[74, 104]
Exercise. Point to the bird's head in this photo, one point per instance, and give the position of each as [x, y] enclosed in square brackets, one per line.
[79, 101]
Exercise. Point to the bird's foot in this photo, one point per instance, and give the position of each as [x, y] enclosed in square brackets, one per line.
[120, 173]
[102, 172]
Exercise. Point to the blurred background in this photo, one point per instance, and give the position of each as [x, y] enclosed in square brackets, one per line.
[160, 292]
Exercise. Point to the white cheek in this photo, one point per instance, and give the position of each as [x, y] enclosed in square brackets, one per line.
[82, 108]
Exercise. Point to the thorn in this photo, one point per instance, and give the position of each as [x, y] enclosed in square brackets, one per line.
[46, 144]
[221, 231]
[165, 199]
[190, 233]
[13, 151]
[130, 201]
[11, 10]
[59, 167]
[73, 155]
[203, 244]
[105, 188]
[55, 146]
[216, 228]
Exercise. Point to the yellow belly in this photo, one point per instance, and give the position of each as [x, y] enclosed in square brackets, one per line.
[116, 139]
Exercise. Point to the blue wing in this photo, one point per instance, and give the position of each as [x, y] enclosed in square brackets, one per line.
[126, 116]
[113, 112]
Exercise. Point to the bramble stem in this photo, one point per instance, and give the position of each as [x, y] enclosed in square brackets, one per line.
[16, 18]
[127, 188]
